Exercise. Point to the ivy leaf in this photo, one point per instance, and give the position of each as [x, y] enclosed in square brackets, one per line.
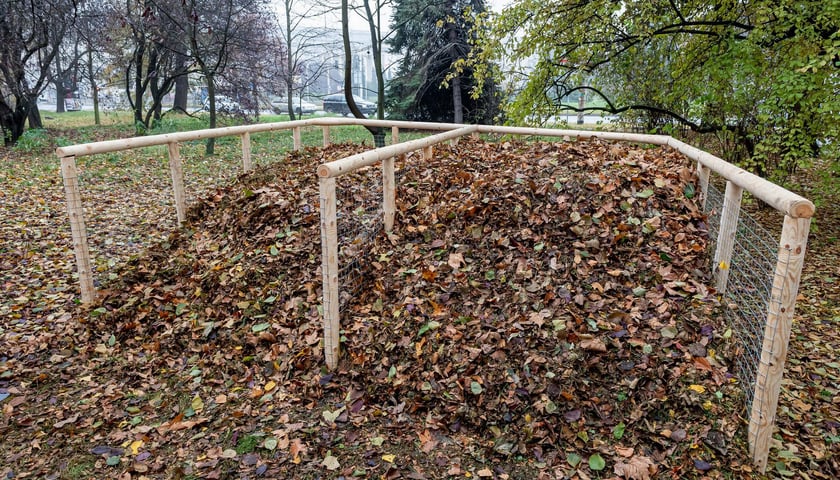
[618, 431]
[596, 462]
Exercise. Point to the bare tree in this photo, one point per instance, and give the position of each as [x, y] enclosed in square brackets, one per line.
[303, 62]
[371, 11]
[29, 33]
[213, 29]
[145, 44]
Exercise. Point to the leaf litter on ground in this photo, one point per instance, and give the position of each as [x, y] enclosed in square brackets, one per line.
[513, 322]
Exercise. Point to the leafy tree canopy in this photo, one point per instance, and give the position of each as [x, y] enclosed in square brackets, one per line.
[762, 74]
[431, 36]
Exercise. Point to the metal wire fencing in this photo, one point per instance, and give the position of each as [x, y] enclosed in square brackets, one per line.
[749, 287]
[359, 219]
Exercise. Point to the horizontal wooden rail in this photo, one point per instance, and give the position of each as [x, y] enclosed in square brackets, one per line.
[166, 138]
[551, 132]
[354, 162]
[107, 146]
[777, 197]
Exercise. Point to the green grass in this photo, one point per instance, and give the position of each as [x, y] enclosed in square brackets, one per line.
[80, 470]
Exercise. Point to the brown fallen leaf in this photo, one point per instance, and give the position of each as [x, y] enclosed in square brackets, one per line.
[594, 344]
[637, 468]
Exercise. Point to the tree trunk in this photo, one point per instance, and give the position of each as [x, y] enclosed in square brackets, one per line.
[34, 116]
[182, 86]
[457, 100]
[94, 89]
[139, 54]
[210, 148]
[12, 121]
[290, 64]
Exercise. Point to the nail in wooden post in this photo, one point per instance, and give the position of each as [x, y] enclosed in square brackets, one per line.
[427, 153]
[246, 152]
[296, 137]
[774, 347]
[326, 131]
[389, 194]
[329, 270]
[76, 213]
[703, 173]
[177, 172]
[726, 235]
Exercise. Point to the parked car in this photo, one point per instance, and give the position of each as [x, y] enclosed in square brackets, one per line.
[223, 105]
[301, 107]
[336, 103]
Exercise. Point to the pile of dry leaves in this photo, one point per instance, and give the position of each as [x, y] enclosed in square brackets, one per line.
[541, 311]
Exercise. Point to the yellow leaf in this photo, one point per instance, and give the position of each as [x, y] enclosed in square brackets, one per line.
[707, 405]
[197, 404]
[697, 388]
[269, 386]
[389, 458]
[135, 446]
[723, 265]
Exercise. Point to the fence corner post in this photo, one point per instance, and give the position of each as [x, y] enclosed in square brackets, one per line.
[177, 172]
[729, 215]
[296, 138]
[246, 152]
[771, 366]
[329, 270]
[76, 213]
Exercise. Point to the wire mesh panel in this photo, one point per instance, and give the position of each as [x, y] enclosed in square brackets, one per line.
[360, 219]
[749, 288]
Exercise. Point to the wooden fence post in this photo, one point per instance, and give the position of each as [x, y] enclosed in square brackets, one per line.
[703, 174]
[76, 213]
[726, 235]
[177, 171]
[389, 193]
[296, 137]
[326, 131]
[774, 347]
[329, 270]
[427, 153]
[395, 139]
[246, 152]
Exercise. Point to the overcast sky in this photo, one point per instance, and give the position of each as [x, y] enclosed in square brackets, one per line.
[333, 20]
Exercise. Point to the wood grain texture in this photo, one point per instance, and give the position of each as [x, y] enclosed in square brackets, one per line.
[246, 152]
[76, 213]
[774, 348]
[176, 171]
[726, 235]
[329, 270]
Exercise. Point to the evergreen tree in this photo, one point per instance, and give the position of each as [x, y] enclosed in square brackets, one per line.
[431, 37]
